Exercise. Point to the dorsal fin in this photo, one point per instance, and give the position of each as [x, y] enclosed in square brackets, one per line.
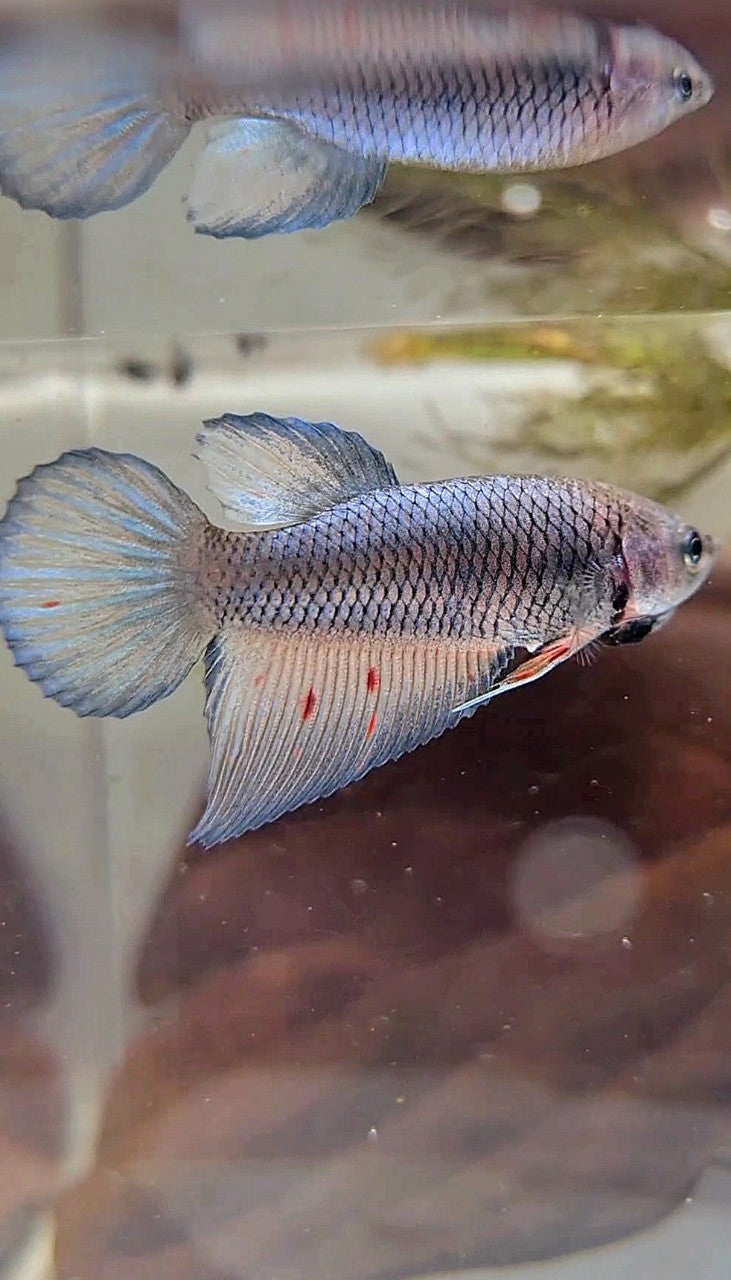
[272, 472]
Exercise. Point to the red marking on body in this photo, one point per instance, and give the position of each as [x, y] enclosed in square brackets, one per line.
[258, 682]
[372, 725]
[373, 679]
[50, 604]
[309, 703]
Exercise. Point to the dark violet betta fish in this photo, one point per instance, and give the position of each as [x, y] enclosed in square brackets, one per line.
[356, 618]
[450, 85]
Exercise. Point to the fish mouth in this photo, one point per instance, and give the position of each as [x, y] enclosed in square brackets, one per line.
[636, 630]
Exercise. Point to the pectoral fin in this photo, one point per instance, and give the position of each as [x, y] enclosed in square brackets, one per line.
[266, 177]
[533, 667]
[550, 656]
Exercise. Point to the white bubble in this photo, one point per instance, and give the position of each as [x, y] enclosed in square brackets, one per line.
[719, 219]
[574, 879]
[372, 1135]
[522, 199]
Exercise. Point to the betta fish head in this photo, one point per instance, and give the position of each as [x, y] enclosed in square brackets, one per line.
[652, 82]
[665, 562]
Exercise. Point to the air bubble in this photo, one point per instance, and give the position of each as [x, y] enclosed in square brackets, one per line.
[522, 199]
[574, 879]
[719, 218]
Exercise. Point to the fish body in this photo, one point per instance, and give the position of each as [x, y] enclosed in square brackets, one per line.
[480, 91]
[354, 619]
[485, 559]
[336, 95]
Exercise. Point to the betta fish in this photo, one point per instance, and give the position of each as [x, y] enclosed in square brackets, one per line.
[354, 619]
[451, 85]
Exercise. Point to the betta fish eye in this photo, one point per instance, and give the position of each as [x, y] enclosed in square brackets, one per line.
[692, 548]
[683, 86]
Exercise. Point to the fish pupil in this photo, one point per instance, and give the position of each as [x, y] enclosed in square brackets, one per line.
[693, 548]
[683, 85]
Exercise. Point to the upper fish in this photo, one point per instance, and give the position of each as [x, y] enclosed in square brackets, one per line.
[341, 91]
[353, 620]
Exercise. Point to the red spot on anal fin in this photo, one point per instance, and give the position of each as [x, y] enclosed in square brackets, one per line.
[373, 679]
[372, 725]
[309, 703]
[50, 604]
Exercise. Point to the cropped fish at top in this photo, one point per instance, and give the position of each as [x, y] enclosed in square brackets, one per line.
[355, 619]
[448, 85]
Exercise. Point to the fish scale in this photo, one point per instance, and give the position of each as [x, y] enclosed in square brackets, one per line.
[460, 118]
[495, 560]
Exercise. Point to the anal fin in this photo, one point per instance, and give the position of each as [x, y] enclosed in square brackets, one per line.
[293, 719]
[259, 177]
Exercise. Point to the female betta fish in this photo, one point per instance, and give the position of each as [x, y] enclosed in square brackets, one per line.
[320, 97]
[355, 619]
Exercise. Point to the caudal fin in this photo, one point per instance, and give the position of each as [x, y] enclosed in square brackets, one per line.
[78, 146]
[98, 597]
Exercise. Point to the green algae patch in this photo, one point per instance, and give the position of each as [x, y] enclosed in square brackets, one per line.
[650, 408]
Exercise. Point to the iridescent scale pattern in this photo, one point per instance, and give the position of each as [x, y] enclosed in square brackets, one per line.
[463, 117]
[504, 558]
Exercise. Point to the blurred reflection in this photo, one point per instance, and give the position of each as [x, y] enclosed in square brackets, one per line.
[474, 1009]
[677, 182]
[320, 98]
[30, 1097]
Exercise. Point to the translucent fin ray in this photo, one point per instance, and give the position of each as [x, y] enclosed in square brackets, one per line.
[97, 596]
[293, 719]
[264, 177]
[273, 472]
[82, 128]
